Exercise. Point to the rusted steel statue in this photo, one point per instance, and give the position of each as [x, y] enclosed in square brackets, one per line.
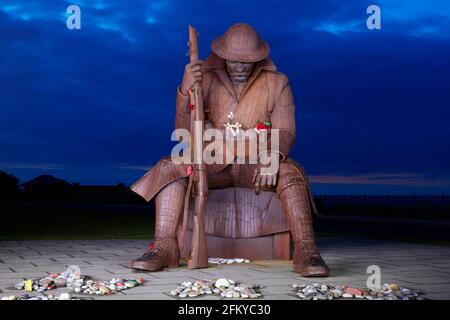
[240, 84]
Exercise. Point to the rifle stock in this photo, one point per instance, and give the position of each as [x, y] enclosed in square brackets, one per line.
[199, 252]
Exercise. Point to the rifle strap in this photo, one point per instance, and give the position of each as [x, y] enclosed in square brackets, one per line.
[185, 212]
[190, 183]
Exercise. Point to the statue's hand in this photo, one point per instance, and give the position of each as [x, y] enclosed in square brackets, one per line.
[264, 176]
[192, 74]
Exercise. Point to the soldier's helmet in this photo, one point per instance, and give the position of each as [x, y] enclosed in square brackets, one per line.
[240, 43]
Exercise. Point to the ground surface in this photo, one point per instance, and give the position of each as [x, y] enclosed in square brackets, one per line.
[422, 268]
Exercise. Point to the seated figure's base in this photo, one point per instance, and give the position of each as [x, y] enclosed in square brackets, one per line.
[270, 247]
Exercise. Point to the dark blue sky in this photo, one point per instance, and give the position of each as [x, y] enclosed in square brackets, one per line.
[96, 105]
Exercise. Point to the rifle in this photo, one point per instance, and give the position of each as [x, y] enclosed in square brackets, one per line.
[198, 178]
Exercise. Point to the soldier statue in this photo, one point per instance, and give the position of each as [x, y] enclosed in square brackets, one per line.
[240, 84]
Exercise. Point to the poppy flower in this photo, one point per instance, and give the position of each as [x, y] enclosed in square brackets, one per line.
[260, 125]
[190, 170]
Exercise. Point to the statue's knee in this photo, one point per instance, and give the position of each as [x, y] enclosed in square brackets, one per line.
[289, 175]
[182, 182]
[175, 187]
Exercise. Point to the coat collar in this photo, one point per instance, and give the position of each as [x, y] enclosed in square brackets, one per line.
[217, 64]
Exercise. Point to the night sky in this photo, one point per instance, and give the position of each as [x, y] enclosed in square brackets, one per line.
[96, 105]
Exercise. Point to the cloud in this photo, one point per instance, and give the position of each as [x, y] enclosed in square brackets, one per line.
[135, 167]
[31, 165]
[395, 179]
[339, 28]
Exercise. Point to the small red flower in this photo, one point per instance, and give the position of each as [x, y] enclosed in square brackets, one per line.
[151, 245]
[260, 125]
[191, 98]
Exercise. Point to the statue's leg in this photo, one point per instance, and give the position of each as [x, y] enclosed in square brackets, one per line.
[295, 201]
[169, 207]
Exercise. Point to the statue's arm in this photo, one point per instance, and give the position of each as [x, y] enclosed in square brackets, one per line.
[283, 115]
[182, 114]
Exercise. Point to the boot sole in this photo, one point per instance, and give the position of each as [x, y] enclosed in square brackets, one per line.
[312, 274]
[144, 266]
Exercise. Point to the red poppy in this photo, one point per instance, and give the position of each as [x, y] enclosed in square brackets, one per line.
[190, 170]
[191, 98]
[151, 245]
[260, 125]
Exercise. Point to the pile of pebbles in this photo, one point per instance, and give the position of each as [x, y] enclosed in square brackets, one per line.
[73, 280]
[227, 261]
[70, 278]
[225, 288]
[62, 296]
[108, 287]
[318, 291]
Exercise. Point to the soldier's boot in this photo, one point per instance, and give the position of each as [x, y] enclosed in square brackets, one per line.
[164, 251]
[307, 260]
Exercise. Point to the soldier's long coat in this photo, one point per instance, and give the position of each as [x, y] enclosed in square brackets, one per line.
[266, 96]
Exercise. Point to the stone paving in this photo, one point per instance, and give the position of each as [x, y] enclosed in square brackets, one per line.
[422, 268]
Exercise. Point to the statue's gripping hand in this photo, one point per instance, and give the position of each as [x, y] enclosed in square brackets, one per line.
[192, 74]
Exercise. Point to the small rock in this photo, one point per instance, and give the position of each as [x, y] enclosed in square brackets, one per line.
[353, 291]
[394, 287]
[60, 283]
[65, 296]
[222, 283]
[20, 285]
[28, 285]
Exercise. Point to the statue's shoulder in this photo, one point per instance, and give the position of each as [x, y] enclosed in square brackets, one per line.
[207, 79]
[276, 77]
[208, 69]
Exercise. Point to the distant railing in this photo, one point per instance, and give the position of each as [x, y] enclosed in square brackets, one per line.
[419, 207]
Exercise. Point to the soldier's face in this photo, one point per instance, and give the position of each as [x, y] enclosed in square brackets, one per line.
[239, 71]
